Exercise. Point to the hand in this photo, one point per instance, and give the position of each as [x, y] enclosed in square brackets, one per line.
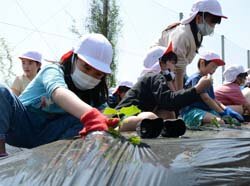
[204, 83]
[94, 120]
[230, 112]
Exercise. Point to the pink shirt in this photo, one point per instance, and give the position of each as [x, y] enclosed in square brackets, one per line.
[230, 94]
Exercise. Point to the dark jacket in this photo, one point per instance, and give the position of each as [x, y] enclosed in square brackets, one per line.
[152, 91]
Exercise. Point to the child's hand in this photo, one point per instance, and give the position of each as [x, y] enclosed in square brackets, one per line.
[94, 120]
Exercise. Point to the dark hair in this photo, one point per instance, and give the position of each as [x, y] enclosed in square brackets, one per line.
[195, 31]
[206, 62]
[169, 56]
[214, 19]
[123, 89]
[96, 96]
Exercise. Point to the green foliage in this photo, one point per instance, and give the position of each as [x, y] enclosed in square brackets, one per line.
[231, 121]
[126, 111]
[104, 19]
[6, 63]
[215, 122]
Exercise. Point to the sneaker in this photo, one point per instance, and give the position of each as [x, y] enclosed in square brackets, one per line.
[173, 128]
[149, 128]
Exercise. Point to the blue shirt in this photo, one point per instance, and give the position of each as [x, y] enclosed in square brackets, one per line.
[191, 82]
[38, 94]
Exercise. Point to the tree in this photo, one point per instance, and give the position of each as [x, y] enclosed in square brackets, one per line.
[104, 19]
[6, 63]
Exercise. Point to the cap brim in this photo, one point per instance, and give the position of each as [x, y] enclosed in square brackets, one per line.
[24, 57]
[219, 62]
[189, 19]
[98, 65]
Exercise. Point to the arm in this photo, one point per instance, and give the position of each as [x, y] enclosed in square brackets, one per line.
[68, 101]
[211, 103]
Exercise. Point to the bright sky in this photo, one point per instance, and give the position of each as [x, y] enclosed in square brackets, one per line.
[43, 25]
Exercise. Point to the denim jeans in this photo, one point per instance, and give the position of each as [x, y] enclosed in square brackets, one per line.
[24, 127]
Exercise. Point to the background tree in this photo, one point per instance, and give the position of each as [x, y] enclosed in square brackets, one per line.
[6, 63]
[104, 19]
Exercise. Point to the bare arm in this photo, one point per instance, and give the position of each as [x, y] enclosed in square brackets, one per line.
[68, 101]
[179, 79]
[211, 103]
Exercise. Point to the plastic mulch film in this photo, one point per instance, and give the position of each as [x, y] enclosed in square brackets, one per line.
[211, 157]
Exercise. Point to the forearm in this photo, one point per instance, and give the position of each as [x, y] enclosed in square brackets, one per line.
[179, 79]
[69, 102]
[211, 103]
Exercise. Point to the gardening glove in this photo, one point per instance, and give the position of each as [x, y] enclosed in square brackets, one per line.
[230, 112]
[94, 120]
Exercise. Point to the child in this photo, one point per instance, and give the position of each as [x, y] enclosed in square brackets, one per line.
[151, 93]
[187, 36]
[230, 93]
[204, 111]
[59, 101]
[31, 64]
[118, 93]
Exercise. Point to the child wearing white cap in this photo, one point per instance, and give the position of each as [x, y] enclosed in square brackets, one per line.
[187, 35]
[61, 100]
[31, 64]
[151, 94]
[230, 93]
[119, 92]
[208, 108]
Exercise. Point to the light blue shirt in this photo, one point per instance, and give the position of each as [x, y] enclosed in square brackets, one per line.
[38, 94]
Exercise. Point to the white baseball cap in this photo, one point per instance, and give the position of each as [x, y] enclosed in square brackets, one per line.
[151, 60]
[32, 55]
[128, 84]
[153, 56]
[95, 50]
[211, 56]
[230, 74]
[211, 6]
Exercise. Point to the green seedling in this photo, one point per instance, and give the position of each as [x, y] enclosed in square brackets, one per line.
[231, 121]
[215, 122]
[124, 112]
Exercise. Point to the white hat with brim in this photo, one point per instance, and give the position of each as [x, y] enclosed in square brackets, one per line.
[230, 74]
[95, 50]
[128, 84]
[32, 55]
[211, 6]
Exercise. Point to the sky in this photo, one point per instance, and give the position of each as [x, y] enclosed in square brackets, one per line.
[44, 25]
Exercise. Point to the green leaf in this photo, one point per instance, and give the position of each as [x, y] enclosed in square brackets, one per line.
[215, 122]
[135, 140]
[110, 111]
[130, 111]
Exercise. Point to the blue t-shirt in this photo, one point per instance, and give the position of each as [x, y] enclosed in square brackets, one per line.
[191, 82]
[38, 93]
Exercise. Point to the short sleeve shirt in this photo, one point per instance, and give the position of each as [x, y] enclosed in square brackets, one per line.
[38, 94]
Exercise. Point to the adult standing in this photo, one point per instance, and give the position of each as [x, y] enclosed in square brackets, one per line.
[187, 35]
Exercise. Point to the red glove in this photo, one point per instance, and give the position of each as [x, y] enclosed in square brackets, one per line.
[94, 120]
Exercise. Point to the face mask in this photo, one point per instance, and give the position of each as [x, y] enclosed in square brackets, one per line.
[169, 75]
[83, 81]
[204, 28]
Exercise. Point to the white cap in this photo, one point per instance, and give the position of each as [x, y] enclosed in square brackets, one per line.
[211, 6]
[32, 55]
[230, 74]
[128, 84]
[151, 60]
[211, 56]
[95, 50]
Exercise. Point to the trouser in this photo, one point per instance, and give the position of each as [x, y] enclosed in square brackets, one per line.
[24, 127]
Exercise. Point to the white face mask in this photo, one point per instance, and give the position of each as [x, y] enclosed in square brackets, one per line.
[204, 28]
[83, 81]
[169, 75]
